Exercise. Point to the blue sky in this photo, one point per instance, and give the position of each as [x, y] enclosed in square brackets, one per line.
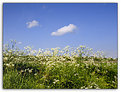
[49, 25]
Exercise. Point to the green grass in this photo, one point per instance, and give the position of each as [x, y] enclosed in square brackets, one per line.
[57, 69]
[32, 75]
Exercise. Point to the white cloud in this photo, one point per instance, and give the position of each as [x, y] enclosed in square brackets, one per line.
[64, 30]
[32, 24]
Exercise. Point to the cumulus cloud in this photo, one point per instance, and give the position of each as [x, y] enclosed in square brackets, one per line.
[32, 24]
[64, 30]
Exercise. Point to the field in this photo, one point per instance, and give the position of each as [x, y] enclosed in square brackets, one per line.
[55, 68]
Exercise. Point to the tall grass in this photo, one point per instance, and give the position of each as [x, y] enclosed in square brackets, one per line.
[55, 68]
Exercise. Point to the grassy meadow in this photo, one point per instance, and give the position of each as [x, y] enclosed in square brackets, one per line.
[55, 68]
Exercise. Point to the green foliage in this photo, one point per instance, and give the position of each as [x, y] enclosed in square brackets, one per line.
[53, 70]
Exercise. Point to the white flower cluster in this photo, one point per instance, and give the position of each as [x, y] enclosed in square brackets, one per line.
[92, 85]
[55, 81]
